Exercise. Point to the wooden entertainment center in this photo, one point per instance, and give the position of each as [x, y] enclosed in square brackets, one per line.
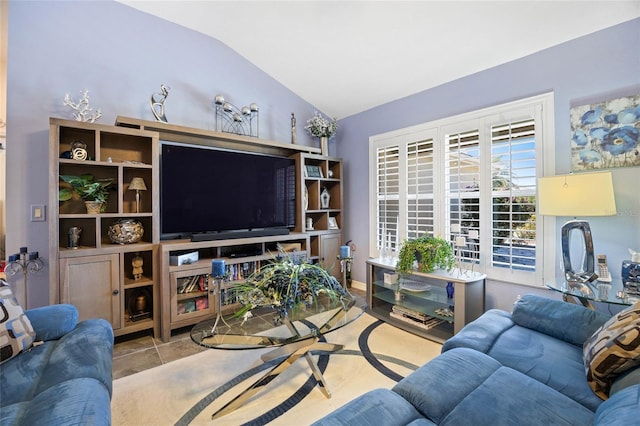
[98, 276]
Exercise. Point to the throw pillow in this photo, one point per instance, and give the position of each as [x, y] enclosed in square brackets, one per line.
[613, 349]
[16, 332]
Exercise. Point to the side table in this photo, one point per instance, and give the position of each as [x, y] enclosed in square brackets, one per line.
[597, 291]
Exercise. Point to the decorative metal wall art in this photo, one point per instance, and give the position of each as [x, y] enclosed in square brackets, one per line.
[240, 121]
[157, 103]
[606, 134]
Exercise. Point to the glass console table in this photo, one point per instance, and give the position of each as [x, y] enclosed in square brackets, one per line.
[596, 291]
[295, 336]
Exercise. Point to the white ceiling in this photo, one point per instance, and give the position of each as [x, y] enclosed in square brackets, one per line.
[345, 57]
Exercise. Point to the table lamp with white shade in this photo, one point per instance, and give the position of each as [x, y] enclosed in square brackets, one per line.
[584, 194]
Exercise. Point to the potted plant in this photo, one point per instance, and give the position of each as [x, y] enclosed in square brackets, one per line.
[95, 193]
[430, 253]
[288, 283]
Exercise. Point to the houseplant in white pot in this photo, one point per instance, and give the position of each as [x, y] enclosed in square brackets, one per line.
[95, 193]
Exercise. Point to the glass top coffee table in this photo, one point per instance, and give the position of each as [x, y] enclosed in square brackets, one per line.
[295, 336]
[596, 291]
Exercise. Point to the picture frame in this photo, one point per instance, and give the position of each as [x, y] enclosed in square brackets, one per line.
[332, 223]
[313, 171]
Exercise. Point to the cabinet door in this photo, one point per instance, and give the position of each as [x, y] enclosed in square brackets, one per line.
[328, 254]
[92, 284]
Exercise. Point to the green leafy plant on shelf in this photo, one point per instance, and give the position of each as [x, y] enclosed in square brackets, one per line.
[430, 253]
[287, 283]
[87, 188]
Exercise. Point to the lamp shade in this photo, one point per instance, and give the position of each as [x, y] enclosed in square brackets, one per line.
[584, 194]
[137, 184]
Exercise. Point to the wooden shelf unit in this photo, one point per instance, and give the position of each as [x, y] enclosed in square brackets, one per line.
[97, 277]
[325, 240]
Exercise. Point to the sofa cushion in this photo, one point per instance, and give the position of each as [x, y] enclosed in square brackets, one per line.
[84, 352]
[16, 332]
[53, 321]
[377, 407]
[621, 409]
[458, 387]
[613, 349]
[81, 401]
[566, 321]
[549, 360]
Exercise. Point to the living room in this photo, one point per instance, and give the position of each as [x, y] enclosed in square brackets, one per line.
[118, 69]
[122, 56]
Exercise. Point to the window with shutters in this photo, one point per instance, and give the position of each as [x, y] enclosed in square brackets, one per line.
[470, 179]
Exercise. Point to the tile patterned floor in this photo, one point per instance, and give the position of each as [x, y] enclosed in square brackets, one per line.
[140, 351]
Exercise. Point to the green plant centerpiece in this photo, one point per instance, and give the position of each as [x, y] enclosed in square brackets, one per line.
[87, 188]
[289, 283]
[430, 253]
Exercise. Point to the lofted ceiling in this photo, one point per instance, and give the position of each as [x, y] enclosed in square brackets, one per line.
[345, 57]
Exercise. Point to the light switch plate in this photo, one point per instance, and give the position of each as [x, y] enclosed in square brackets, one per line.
[38, 213]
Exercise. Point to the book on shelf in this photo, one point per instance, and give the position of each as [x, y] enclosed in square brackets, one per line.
[401, 310]
[426, 324]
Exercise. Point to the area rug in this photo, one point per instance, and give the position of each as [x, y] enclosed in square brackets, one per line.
[190, 390]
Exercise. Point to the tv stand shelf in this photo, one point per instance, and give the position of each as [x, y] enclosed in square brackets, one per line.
[188, 292]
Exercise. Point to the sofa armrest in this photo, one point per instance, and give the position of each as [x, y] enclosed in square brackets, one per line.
[621, 409]
[482, 333]
[52, 322]
[566, 321]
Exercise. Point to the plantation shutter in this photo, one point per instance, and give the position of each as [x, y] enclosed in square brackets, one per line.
[388, 192]
[462, 171]
[420, 188]
[513, 197]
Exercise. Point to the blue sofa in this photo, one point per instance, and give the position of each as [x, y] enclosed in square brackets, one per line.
[66, 380]
[524, 368]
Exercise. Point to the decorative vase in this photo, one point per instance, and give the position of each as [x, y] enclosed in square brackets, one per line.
[450, 290]
[93, 207]
[324, 145]
[125, 231]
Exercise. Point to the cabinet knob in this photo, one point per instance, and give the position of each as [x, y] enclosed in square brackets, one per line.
[116, 292]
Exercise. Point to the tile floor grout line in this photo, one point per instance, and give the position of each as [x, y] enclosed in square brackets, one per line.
[158, 351]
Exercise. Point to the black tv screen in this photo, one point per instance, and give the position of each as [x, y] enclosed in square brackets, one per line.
[219, 192]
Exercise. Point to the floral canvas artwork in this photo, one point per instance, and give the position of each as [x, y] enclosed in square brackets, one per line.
[606, 134]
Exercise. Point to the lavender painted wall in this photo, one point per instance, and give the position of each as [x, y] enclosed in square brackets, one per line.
[602, 65]
[121, 56]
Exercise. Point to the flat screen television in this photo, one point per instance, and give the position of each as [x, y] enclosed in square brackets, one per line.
[209, 193]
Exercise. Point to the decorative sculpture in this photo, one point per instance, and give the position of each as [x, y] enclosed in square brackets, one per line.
[157, 103]
[293, 129]
[81, 109]
[137, 271]
[230, 119]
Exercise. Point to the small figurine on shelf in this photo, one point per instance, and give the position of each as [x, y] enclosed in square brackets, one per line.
[325, 198]
[137, 263]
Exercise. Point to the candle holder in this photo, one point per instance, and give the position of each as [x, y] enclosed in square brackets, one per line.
[231, 119]
[26, 263]
[219, 275]
[345, 266]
